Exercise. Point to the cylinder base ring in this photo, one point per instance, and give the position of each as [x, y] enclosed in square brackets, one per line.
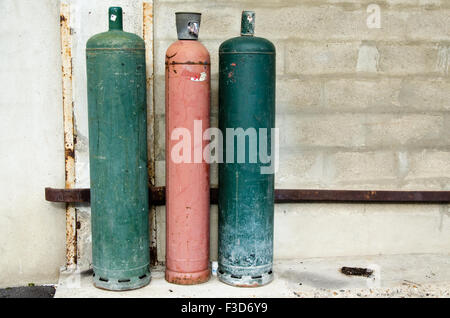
[245, 281]
[181, 278]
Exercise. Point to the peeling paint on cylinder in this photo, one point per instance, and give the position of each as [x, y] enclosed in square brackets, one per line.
[246, 197]
[116, 81]
[187, 183]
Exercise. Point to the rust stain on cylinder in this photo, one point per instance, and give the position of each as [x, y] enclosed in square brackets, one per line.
[187, 279]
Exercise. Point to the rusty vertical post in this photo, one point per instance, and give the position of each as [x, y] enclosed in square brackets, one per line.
[69, 136]
[147, 27]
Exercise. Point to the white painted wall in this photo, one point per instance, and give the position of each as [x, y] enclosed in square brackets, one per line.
[32, 231]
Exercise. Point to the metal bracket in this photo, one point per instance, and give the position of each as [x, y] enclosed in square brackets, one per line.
[68, 195]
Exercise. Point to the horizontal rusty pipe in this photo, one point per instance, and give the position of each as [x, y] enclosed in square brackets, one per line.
[158, 196]
[68, 195]
[362, 196]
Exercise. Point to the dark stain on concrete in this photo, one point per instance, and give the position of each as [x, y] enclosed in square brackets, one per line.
[28, 292]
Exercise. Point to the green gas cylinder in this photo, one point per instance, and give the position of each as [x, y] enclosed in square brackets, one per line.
[116, 83]
[246, 192]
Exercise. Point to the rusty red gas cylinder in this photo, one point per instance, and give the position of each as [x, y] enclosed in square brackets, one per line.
[187, 172]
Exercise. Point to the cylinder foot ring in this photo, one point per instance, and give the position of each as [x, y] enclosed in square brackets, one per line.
[127, 283]
[245, 281]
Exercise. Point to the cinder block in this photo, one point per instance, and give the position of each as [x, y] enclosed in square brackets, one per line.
[159, 93]
[295, 95]
[160, 137]
[428, 25]
[160, 49]
[161, 233]
[336, 130]
[446, 134]
[160, 173]
[280, 48]
[214, 97]
[323, 230]
[320, 58]
[425, 94]
[411, 129]
[368, 58]
[408, 59]
[424, 3]
[213, 48]
[429, 164]
[428, 184]
[299, 169]
[407, 228]
[312, 230]
[443, 59]
[309, 22]
[429, 4]
[213, 120]
[361, 167]
[332, 57]
[362, 95]
[214, 175]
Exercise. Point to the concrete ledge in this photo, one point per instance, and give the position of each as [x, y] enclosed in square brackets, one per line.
[426, 275]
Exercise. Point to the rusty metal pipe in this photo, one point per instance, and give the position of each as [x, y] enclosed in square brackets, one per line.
[157, 196]
[69, 134]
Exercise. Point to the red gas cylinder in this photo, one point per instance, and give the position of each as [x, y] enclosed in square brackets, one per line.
[187, 172]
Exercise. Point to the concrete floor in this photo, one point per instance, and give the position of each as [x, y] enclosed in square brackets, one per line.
[393, 276]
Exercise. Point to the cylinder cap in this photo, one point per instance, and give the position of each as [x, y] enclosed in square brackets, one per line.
[115, 18]
[188, 25]
[248, 23]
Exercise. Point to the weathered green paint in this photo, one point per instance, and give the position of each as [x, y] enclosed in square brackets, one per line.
[115, 18]
[118, 157]
[246, 197]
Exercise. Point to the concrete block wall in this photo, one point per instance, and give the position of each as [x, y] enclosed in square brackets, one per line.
[357, 107]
